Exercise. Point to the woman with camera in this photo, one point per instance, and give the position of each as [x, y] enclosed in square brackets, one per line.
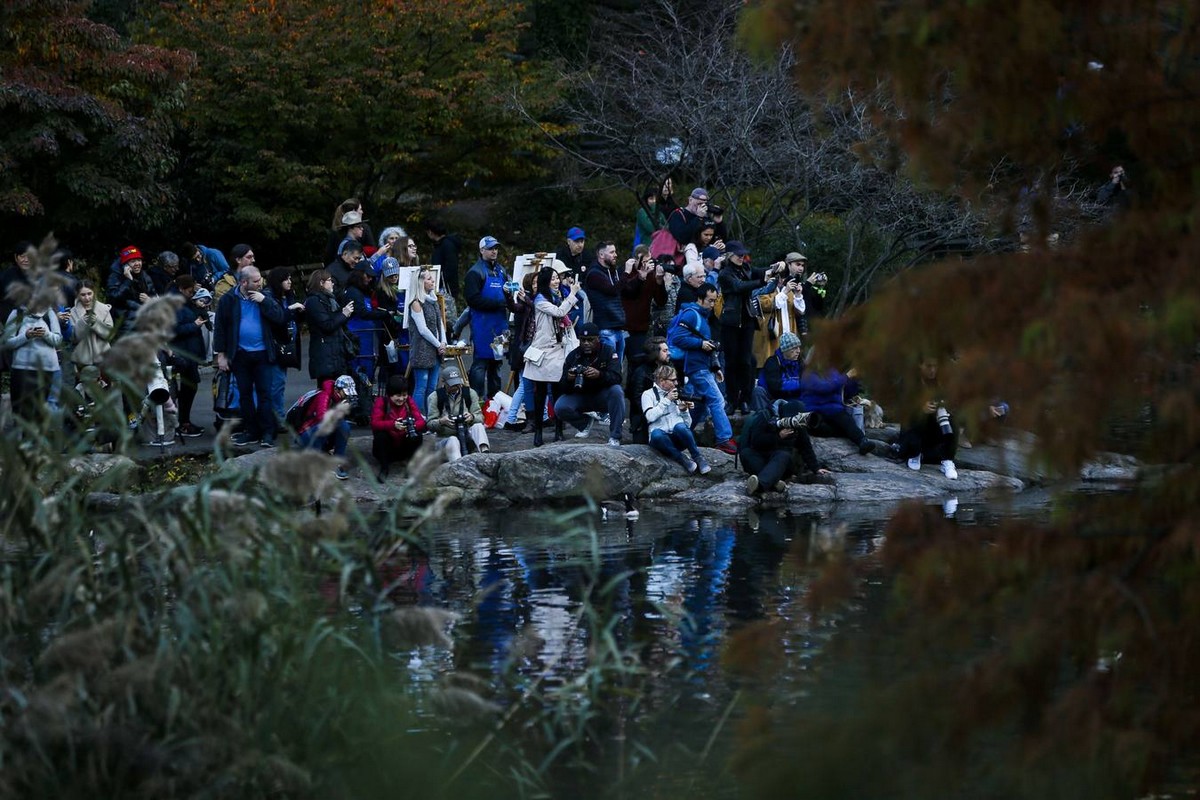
[396, 425]
[328, 339]
[33, 337]
[553, 338]
[929, 435]
[666, 413]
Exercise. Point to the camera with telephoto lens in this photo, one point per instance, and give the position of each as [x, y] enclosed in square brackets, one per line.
[577, 374]
[805, 419]
[943, 420]
[460, 431]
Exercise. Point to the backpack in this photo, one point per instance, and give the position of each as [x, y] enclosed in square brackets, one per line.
[295, 414]
[676, 328]
[662, 243]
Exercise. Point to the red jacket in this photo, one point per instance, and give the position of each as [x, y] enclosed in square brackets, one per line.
[317, 407]
[384, 416]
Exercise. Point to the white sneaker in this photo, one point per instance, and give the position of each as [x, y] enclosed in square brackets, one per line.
[587, 430]
[914, 463]
[948, 470]
[614, 442]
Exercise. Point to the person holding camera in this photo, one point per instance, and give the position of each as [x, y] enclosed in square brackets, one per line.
[397, 426]
[668, 415]
[553, 339]
[459, 417]
[592, 382]
[609, 287]
[188, 350]
[929, 435]
[33, 337]
[333, 400]
[489, 295]
[783, 312]
[691, 345]
[737, 281]
[651, 291]
[768, 443]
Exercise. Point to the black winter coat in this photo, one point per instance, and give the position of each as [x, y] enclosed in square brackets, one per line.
[326, 324]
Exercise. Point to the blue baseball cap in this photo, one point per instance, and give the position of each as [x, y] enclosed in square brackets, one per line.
[575, 234]
[710, 252]
[488, 242]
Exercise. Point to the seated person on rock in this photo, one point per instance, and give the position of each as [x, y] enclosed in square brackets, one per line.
[667, 416]
[641, 377]
[323, 419]
[929, 435]
[457, 417]
[781, 374]
[592, 382]
[768, 444]
[397, 425]
[823, 392]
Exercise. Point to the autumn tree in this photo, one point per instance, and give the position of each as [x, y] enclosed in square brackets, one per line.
[88, 119]
[297, 105]
[1082, 681]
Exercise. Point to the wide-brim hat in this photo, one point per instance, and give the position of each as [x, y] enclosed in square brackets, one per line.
[352, 218]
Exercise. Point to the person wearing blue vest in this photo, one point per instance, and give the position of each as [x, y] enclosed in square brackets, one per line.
[243, 342]
[490, 299]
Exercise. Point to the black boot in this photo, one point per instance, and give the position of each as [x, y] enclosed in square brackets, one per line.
[537, 434]
[558, 430]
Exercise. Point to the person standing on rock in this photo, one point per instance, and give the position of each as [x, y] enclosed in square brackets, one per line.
[553, 340]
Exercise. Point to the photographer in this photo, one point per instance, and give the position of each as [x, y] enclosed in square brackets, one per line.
[397, 426]
[667, 414]
[459, 417]
[323, 424]
[188, 352]
[737, 281]
[592, 382]
[768, 443]
[929, 435]
[691, 344]
[784, 311]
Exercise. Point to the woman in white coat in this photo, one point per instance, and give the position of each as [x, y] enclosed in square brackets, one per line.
[553, 338]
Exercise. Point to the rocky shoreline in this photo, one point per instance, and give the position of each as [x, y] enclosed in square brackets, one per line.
[516, 474]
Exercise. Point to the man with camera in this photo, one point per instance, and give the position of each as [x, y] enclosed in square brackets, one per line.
[459, 417]
[694, 349]
[607, 286]
[489, 294]
[685, 222]
[592, 382]
[768, 443]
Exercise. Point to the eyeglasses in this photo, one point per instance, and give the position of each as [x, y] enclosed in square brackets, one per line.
[672, 380]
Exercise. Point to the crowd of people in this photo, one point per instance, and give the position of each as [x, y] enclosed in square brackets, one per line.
[682, 333]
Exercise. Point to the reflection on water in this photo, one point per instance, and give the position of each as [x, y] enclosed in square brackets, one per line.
[537, 600]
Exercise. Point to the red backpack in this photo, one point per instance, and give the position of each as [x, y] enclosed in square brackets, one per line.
[662, 243]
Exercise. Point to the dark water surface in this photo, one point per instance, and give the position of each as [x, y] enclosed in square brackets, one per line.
[546, 602]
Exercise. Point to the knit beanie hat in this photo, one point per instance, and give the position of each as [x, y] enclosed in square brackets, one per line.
[788, 341]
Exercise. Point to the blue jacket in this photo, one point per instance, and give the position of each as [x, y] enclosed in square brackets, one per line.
[782, 378]
[689, 329]
[825, 392]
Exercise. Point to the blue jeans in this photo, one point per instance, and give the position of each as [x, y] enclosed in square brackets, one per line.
[669, 444]
[253, 373]
[278, 388]
[610, 400]
[424, 382]
[523, 394]
[616, 340]
[337, 441]
[710, 399]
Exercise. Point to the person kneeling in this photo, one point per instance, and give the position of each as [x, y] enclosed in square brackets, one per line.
[323, 421]
[592, 382]
[397, 425]
[669, 430]
[768, 443]
[459, 417]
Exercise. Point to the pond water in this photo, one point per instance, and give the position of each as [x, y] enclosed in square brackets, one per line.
[654, 604]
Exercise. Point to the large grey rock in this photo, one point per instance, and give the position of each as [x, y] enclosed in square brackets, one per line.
[559, 473]
[113, 472]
